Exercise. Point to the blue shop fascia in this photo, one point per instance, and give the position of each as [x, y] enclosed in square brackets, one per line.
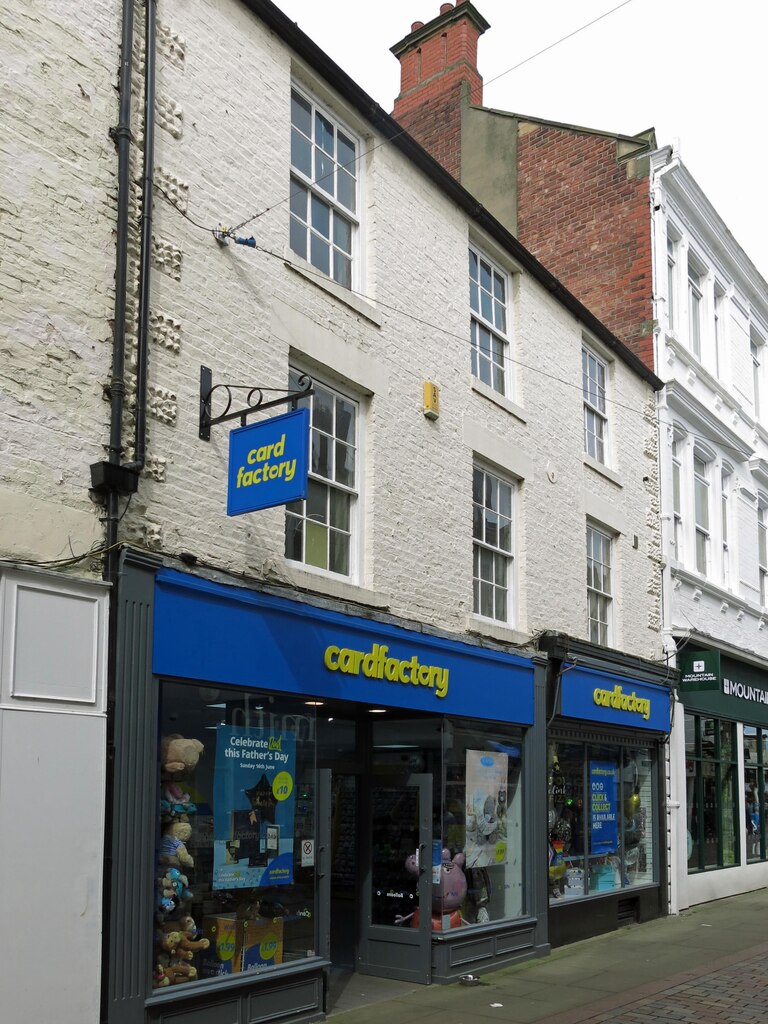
[308, 786]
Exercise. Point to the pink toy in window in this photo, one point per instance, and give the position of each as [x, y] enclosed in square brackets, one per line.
[447, 895]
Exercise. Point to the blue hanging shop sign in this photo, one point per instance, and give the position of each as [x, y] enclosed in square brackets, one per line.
[268, 463]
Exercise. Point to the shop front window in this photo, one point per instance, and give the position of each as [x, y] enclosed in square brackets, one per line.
[233, 892]
[483, 820]
[755, 791]
[477, 830]
[711, 784]
[400, 749]
[600, 819]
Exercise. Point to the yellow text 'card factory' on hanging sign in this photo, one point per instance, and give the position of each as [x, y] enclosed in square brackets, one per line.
[268, 463]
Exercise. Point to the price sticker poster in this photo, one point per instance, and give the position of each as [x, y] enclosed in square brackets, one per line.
[254, 807]
[603, 807]
[486, 808]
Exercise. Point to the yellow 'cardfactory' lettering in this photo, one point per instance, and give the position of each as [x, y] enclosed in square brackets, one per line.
[620, 701]
[375, 664]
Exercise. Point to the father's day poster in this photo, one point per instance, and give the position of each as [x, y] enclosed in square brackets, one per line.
[254, 803]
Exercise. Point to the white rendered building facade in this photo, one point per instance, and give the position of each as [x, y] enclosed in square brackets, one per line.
[712, 325]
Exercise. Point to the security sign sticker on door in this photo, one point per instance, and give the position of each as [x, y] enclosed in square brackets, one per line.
[307, 853]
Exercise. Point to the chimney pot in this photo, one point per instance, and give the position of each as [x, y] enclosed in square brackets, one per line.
[417, 25]
[445, 7]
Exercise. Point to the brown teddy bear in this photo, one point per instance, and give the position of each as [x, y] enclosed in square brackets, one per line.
[170, 941]
[189, 943]
[176, 972]
[173, 849]
[179, 756]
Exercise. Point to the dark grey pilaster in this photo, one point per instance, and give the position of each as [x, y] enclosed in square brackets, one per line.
[536, 805]
[131, 801]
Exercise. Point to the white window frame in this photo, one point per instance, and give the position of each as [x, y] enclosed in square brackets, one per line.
[756, 351]
[672, 287]
[489, 318]
[678, 477]
[318, 179]
[762, 548]
[726, 477]
[719, 329]
[702, 511]
[594, 386]
[301, 512]
[600, 584]
[489, 489]
[696, 284]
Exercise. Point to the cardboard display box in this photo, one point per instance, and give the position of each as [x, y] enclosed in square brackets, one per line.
[240, 945]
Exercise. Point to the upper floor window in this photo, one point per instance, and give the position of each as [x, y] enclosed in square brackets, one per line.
[671, 282]
[324, 183]
[725, 496]
[701, 511]
[599, 585]
[320, 530]
[762, 549]
[493, 536]
[756, 351]
[594, 374]
[489, 332]
[695, 284]
[719, 331]
[677, 497]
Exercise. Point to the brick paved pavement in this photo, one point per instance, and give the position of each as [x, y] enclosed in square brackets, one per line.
[708, 965]
[733, 990]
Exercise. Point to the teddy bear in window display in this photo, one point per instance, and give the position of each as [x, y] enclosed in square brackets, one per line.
[177, 938]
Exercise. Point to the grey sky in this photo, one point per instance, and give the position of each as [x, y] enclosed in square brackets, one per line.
[694, 70]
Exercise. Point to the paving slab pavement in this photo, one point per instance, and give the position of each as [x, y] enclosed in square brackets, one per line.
[707, 965]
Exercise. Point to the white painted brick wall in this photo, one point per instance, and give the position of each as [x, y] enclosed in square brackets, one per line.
[58, 69]
[222, 153]
[232, 159]
[57, 255]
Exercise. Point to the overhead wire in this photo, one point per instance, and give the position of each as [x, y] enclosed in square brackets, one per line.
[219, 233]
[379, 303]
[350, 163]
[562, 39]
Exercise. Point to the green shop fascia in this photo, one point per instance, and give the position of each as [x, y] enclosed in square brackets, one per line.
[711, 683]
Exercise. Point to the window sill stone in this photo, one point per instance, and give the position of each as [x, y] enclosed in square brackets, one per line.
[326, 284]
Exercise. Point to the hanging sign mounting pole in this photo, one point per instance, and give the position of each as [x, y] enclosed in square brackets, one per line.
[256, 400]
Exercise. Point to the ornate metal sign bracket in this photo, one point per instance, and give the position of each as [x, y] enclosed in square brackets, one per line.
[255, 400]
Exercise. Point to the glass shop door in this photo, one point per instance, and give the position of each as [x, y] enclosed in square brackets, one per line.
[396, 887]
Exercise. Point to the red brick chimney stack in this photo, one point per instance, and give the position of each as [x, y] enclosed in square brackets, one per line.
[437, 60]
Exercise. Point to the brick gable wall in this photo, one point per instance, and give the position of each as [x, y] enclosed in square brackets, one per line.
[587, 218]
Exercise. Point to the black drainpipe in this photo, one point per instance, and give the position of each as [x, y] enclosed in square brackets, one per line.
[114, 478]
[105, 477]
[103, 474]
[142, 354]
